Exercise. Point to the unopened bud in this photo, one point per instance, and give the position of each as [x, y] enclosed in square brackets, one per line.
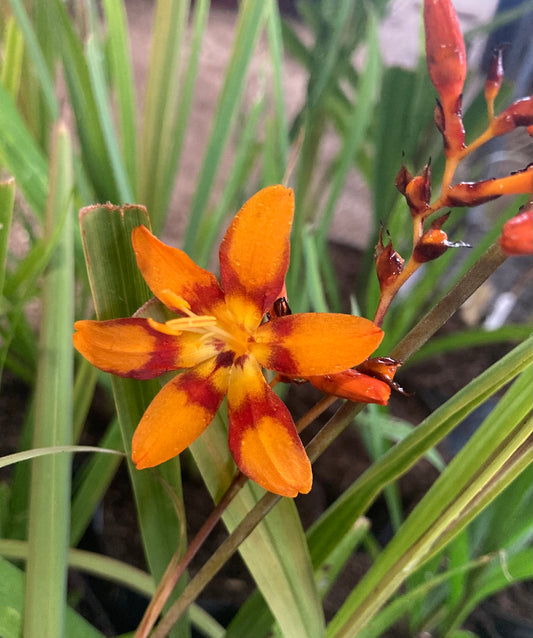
[418, 192]
[517, 233]
[389, 263]
[354, 386]
[446, 60]
[434, 242]
[476, 193]
[519, 113]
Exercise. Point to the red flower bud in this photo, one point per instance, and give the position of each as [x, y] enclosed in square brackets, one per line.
[354, 386]
[475, 193]
[517, 234]
[446, 60]
[389, 264]
[520, 113]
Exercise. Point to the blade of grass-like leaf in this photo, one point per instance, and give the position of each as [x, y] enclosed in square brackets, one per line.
[280, 133]
[161, 100]
[358, 497]
[402, 605]
[7, 198]
[118, 48]
[37, 57]
[174, 128]
[35, 453]
[12, 57]
[12, 604]
[102, 103]
[250, 20]
[23, 158]
[44, 611]
[118, 291]
[276, 552]
[499, 576]
[359, 120]
[92, 141]
[501, 449]
[470, 338]
[312, 273]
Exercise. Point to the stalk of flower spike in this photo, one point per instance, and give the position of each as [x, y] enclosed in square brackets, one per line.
[446, 60]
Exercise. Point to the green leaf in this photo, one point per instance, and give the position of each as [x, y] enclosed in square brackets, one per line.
[50, 483]
[7, 198]
[12, 58]
[12, 605]
[21, 155]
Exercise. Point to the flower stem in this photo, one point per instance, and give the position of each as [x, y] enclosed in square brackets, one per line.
[177, 566]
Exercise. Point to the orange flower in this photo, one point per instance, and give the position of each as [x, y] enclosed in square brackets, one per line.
[220, 336]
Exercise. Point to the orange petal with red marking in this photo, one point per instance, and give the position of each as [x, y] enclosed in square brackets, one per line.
[133, 348]
[180, 412]
[309, 344]
[262, 435]
[254, 254]
[354, 386]
[171, 273]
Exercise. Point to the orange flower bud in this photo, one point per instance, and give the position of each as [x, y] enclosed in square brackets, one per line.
[494, 76]
[434, 242]
[389, 264]
[446, 60]
[475, 193]
[517, 233]
[354, 386]
[418, 192]
[520, 113]
[383, 368]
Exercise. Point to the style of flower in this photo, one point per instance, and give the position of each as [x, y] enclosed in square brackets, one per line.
[220, 335]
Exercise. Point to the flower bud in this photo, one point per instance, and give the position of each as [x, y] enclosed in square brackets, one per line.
[446, 60]
[517, 233]
[475, 193]
[434, 242]
[389, 264]
[418, 192]
[519, 113]
[354, 386]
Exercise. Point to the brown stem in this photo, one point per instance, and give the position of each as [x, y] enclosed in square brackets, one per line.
[177, 566]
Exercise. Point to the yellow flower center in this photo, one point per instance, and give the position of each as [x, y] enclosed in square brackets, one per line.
[223, 328]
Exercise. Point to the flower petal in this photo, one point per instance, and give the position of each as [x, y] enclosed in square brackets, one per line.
[254, 254]
[354, 386]
[133, 348]
[262, 435]
[180, 412]
[171, 273]
[309, 344]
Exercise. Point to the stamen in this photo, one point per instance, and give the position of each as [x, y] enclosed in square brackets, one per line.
[175, 327]
[178, 302]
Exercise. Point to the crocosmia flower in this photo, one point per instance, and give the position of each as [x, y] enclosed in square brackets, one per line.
[220, 337]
